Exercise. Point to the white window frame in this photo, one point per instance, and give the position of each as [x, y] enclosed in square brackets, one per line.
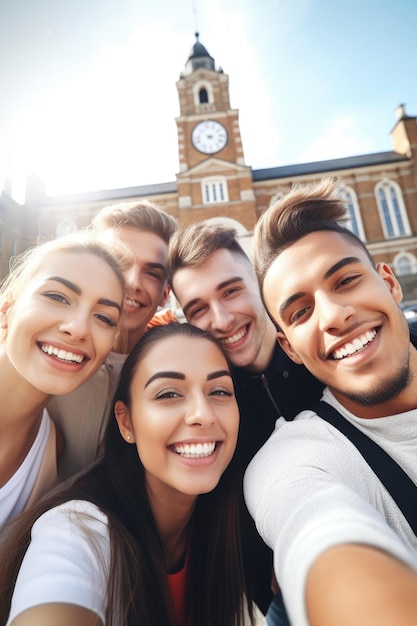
[394, 218]
[214, 190]
[354, 223]
[411, 260]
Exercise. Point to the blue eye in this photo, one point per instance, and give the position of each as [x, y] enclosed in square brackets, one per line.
[55, 295]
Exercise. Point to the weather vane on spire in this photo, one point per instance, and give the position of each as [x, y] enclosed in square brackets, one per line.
[195, 19]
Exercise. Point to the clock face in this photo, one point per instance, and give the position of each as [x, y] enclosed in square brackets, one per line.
[209, 137]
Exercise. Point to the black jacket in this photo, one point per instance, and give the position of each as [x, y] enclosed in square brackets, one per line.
[284, 388]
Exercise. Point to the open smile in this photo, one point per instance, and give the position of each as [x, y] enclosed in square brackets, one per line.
[133, 303]
[229, 341]
[195, 450]
[60, 354]
[354, 346]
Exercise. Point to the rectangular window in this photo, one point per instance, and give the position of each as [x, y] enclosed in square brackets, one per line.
[214, 192]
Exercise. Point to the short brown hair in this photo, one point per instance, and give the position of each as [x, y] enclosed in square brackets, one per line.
[193, 245]
[303, 210]
[143, 215]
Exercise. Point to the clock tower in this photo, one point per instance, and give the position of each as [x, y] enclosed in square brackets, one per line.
[213, 180]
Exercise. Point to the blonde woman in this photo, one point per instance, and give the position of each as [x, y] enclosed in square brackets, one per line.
[60, 309]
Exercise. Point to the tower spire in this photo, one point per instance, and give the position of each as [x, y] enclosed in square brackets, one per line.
[199, 57]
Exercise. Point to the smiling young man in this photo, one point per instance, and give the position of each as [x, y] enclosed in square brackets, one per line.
[82, 416]
[215, 284]
[344, 551]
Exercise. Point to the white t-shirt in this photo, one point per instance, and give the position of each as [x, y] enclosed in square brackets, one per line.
[63, 564]
[309, 489]
[15, 493]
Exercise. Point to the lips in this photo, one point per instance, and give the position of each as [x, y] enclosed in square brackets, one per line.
[354, 346]
[62, 355]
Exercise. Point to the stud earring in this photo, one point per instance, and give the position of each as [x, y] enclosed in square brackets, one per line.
[128, 436]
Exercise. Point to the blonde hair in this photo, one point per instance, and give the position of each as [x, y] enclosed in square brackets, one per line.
[25, 266]
[143, 215]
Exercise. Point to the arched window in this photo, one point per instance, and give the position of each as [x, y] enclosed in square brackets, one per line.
[203, 95]
[405, 264]
[391, 209]
[355, 220]
[214, 190]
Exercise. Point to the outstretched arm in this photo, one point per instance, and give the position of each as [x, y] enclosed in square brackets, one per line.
[57, 613]
[357, 584]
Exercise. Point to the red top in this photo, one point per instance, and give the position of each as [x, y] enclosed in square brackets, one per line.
[177, 586]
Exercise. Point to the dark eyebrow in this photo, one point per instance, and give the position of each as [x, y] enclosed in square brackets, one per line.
[332, 270]
[157, 266]
[180, 376]
[337, 266]
[219, 287]
[76, 289]
[219, 374]
[67, 283]
[176, 375]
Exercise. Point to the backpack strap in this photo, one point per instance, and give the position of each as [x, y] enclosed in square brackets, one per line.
[392, 476]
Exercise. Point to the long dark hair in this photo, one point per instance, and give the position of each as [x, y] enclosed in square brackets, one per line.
[138, 588]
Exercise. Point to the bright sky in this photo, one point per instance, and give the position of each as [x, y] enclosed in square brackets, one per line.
[88, 97]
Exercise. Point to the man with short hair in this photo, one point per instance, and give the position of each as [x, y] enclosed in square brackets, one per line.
[344, 551]
[215, 284]
[82, 415]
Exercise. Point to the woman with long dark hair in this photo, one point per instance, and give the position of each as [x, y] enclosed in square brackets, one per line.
[149, 535]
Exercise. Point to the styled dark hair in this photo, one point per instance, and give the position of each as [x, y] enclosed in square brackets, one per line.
[303, 210]
[193, 245]
[138, 589]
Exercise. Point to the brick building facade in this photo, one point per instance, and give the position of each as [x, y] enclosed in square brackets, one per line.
[214, 183]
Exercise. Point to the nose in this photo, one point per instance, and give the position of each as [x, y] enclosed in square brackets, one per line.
[200, 412]
[221, 318]
[133, 278]
[334, 312]
[76, 325]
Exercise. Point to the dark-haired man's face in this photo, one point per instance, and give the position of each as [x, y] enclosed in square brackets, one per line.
[222, 296]
[340, 317]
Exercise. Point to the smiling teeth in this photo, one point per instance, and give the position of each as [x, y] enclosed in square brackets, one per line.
[195, 450]
[62, 355]
[234, 338]
[355, 346]
[131, 302]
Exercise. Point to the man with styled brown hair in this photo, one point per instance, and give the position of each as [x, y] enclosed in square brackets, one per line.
[343, 536]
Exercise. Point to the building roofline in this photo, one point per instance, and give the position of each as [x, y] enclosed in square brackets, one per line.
[284, 171]
[302, 169]
[113, 194]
